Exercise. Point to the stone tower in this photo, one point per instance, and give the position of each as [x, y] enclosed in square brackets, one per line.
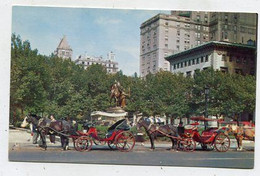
[63, 50]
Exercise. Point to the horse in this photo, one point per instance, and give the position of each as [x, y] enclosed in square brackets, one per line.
[154, 131]
[241, 133]
[45, 127]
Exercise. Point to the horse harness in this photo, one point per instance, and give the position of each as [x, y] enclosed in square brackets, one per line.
[157, 130]
[48, 126]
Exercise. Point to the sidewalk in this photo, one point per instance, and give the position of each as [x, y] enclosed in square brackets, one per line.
[21, 138]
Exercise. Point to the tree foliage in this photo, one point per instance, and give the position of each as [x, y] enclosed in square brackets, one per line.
[51, 85]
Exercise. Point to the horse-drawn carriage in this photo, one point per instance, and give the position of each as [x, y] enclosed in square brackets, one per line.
[118, 137]
[209, 138]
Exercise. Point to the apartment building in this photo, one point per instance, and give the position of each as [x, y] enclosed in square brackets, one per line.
[109, 63]
[168, 34]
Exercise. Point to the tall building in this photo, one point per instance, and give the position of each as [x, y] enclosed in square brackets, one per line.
[64, 50]
[109, 63]
[167, 34]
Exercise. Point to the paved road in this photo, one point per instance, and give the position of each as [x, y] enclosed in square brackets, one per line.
[21, 149]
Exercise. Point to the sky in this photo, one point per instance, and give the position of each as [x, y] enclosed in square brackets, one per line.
[92, 31]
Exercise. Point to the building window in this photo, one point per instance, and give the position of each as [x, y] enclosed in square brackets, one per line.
[224, 57]
[207, 58]
[226, 35]
[189, 62]
[181, 64]
[178, 41]
[166, 23]
[226, 18]
[206, 19]
[198, 18]
[193, 61]
[202, 59]
[185, 63]
[178, 32]
[198, 61]
[166, 45]
[178, 47]
[174, 66]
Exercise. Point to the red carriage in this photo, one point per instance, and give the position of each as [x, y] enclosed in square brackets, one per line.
[118, 137]
[209, 138]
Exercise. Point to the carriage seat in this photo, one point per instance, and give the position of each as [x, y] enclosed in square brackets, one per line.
[119, 125]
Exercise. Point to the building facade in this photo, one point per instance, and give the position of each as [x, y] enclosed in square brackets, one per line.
[64, 50]
[164, 34]
[109, 63]
[223, 56]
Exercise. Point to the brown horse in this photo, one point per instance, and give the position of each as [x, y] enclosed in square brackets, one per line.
[154, 131]
[44, 126]
[241, 133]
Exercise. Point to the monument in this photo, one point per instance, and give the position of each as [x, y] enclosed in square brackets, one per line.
[117, 97]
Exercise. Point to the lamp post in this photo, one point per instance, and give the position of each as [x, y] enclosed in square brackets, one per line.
[206, 89]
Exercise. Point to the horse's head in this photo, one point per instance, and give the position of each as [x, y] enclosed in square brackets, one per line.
[29, 119]
[139, 123]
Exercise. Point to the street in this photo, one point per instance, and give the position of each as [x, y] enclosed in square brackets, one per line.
[21, 149]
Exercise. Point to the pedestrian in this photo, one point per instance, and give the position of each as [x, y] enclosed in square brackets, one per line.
[52, 136]
[34, 133]
[52, 118]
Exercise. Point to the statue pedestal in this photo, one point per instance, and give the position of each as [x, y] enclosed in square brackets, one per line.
[116, 109]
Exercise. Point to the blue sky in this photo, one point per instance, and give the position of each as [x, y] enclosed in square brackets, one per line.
[94, 31]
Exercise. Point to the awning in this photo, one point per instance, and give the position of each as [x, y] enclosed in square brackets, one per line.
[107, 114]
[155, 120]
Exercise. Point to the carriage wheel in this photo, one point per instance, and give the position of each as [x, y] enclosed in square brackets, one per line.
[186, 144]
[83, 143]
[222, 142]
[125, 141]
[111, 145]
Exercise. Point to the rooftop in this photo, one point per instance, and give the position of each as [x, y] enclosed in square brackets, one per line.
[210, 44]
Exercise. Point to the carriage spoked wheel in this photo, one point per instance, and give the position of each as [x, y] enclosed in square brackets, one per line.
[83, 143]
[125, 141]
[222, 142]
[186, 144]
